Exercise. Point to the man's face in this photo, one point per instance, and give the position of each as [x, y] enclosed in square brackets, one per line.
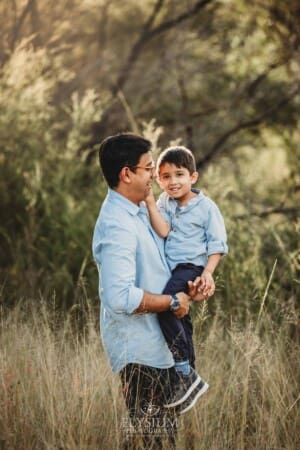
[142, 178]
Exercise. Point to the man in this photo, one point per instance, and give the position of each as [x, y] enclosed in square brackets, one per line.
[133, 272]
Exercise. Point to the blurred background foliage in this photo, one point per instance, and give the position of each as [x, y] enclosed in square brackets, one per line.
[220, 76]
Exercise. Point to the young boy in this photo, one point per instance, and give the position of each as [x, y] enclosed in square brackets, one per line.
[195, 240]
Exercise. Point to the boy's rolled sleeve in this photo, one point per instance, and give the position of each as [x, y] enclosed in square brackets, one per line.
[216, 232]
[214, 247]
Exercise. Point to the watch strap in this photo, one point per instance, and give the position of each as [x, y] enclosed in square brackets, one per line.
[175, 303]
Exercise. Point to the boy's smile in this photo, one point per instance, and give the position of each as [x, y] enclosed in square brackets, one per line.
[177, 182]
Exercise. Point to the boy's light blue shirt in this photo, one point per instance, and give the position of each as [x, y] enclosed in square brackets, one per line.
[197, 230]
[130, 259]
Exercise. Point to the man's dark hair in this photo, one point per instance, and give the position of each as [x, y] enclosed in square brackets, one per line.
[121, 150]
[180, 156]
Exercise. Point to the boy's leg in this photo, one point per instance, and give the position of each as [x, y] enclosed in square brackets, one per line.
[178, 332]
[188, 328]
[174, 333]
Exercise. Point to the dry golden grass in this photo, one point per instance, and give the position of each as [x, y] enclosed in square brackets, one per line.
[57, 391]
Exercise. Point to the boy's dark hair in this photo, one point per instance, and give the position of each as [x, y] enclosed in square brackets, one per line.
[180, 156]
[121, 150]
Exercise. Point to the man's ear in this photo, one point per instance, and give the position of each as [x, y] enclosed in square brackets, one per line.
[194, 177]
[125, 175]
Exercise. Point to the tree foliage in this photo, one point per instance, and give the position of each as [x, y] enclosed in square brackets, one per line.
[220, 76]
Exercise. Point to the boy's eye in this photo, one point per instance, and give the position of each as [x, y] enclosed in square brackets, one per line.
[164, 177]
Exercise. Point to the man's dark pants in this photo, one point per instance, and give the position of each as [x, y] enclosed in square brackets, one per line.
[179, 332]
[146, 390]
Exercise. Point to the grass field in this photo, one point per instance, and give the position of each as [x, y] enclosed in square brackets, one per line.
[57, 391]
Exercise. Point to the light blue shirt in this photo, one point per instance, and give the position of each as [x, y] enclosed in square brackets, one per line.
[197, 230]
[130, 259]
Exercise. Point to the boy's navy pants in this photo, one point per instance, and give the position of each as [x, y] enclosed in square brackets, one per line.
[179, 332]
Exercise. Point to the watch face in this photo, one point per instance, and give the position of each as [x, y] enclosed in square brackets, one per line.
[175, 304]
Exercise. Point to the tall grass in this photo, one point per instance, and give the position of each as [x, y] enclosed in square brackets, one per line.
[57, 391]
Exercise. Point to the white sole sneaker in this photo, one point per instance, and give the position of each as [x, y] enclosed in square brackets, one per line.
[186, 394]
[194, 399]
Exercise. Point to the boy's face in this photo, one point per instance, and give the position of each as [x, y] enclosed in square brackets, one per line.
[177, 182]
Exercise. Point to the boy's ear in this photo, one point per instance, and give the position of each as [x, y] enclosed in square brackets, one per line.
[194, 177]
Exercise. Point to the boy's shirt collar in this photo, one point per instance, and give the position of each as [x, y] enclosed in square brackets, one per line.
[190, 204]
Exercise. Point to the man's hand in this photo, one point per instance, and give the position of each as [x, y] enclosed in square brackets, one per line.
[184, 305]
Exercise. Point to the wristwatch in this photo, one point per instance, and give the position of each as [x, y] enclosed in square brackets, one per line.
[175, 303]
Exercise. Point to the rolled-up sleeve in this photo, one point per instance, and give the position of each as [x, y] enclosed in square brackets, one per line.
[216, 232]
[115, 254]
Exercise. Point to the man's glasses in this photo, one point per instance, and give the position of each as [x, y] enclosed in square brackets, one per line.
[150, 169]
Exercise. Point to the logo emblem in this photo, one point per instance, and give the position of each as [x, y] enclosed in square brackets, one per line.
[149, 409]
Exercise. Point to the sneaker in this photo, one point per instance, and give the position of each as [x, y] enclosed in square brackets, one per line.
[195, 395]
[184, 388]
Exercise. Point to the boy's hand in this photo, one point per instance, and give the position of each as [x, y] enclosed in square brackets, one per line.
[202, 287]
[199, 297]
[195, 291]
[207, 283]
[150, 199]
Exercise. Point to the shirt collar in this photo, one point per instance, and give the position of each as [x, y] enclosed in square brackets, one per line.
[191, 203]
[123, 202]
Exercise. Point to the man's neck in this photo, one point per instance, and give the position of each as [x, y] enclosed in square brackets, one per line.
[125, 193]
